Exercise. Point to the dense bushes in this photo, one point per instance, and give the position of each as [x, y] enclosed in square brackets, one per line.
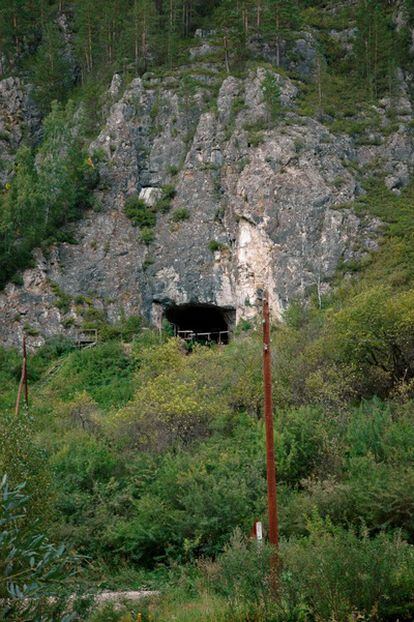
[338, 574]
[353, 467]
[31, 568]
[104, 372]
[24, 460]
[375, 334]
[112, 505]
[155, 455]
[176, 399]
[331, 575]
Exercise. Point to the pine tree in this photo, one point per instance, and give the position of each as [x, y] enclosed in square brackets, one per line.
[374, 47]
[18, 25]
[280, 18]
[173, 29]
[20, 216]
[52, 72]
[88, 43]
[139, 33]
[112, 24]
[23, 203]
[229, 17]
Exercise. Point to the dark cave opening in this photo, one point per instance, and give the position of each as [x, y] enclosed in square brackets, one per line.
[201, 322]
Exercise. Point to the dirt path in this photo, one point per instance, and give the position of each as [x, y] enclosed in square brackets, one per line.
[113, 597]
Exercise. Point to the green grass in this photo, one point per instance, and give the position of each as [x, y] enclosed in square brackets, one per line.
[394, 262]
[104, 371]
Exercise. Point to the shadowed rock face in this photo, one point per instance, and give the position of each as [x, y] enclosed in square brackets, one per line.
[205, 322]
[261, 201]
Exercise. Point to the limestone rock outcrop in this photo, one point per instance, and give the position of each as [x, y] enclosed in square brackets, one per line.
[257, 201]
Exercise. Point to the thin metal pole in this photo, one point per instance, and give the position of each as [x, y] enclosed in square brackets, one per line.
[26, 389]
[19, 394]
[270, 444]
[23, 381]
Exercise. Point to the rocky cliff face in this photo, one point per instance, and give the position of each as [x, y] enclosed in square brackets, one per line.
[258, 201]
[19, 120]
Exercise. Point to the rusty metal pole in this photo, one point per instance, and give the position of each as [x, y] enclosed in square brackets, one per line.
[270, 444]
[26, 389]
[23, 381]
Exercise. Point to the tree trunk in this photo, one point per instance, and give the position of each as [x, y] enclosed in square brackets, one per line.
[16, 37]
[258, 13]
[226, 53]
[319, 81]
[277, 40]
[90, 47]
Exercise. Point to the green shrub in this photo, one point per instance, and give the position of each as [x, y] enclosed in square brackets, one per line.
[215, 245]
[139, 213]
[30, 566]
[339, 575]
[173, 170]
[169, 191]
[180, 214]
[92, 496]
[30, 330]
[165, 410]
[271, 95]
[17, 279]
[375, 333]
[63, 299]
[126, 329]
[24, 460]
[147, 235]
[242, 572]
[164, 203]
[255, 138]
[84, 461]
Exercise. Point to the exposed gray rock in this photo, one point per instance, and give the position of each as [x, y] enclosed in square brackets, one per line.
[19, 118]
[264, 192]
[297, 55]
[115, 88]
[150, 195]
[205, 49]
[264, 196]
[345, 38]
[204, 34]
[394, 157]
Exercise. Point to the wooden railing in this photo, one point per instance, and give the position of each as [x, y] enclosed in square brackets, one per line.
[86, 338]
[219, 336]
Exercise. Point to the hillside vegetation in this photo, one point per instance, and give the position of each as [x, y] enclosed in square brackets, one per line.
[148, 461]
[151, 461]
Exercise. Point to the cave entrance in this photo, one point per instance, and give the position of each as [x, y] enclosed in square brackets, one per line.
[202, 323]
